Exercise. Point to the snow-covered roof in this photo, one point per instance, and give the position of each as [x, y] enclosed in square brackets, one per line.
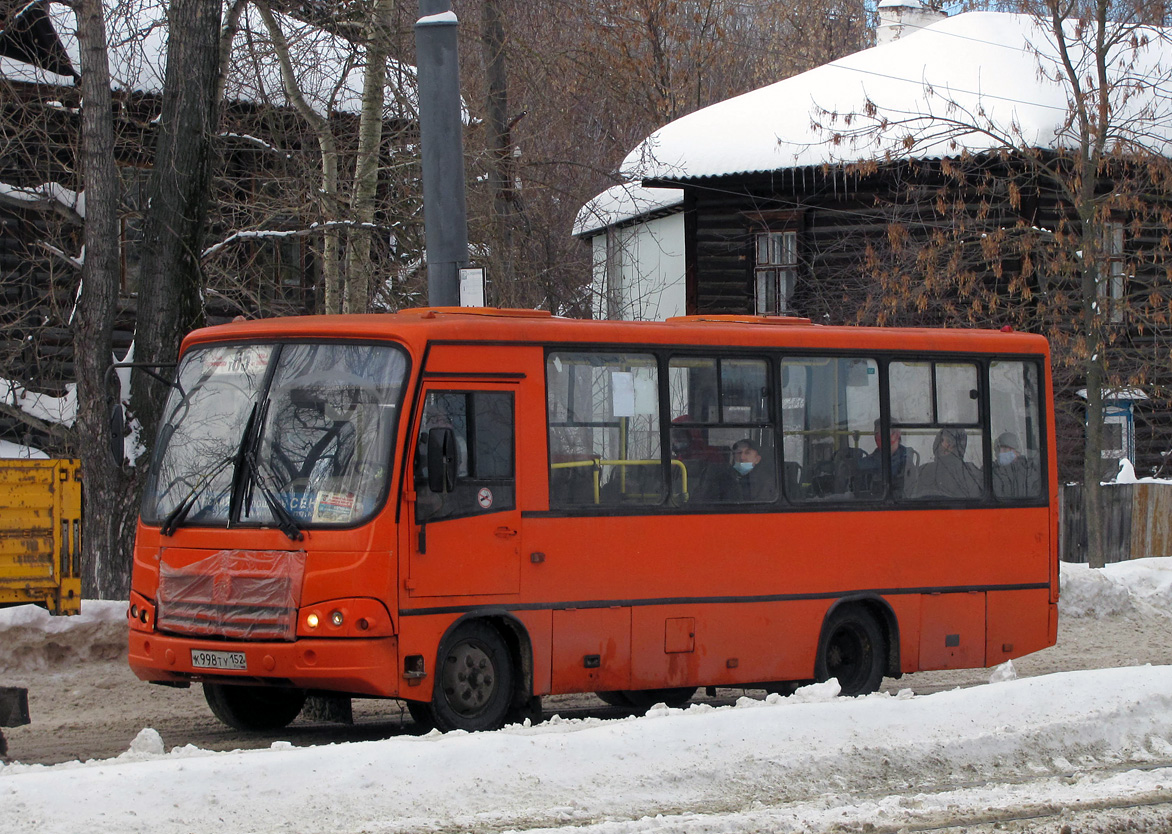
[620, 203]
[329, 68]
[978, 67]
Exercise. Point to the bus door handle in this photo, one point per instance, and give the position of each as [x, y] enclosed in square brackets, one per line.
[505, 532]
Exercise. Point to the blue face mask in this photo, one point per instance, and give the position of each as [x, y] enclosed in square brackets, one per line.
[1006, 458]
[744, 467]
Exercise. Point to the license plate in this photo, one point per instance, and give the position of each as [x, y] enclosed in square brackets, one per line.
[201, 659]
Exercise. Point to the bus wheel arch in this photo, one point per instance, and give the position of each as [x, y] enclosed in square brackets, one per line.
[483, 675]
[858, 644]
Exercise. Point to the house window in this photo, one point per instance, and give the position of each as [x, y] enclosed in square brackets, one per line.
[776, 271]
[1111, 277]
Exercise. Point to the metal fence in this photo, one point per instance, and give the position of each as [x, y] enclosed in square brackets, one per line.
[1138, 519]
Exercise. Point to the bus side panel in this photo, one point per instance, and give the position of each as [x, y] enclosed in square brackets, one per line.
[1018, 623]
[724, 644]
[591, 649]
[952, 630]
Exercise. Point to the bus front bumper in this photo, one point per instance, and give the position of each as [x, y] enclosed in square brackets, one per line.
[354, 666]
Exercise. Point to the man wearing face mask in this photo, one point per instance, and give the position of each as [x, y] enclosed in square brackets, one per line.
[749, 478]
[1014, 475]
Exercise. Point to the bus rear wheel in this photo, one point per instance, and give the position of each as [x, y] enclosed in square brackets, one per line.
[852, 651]
[253, 707]
[474, 681]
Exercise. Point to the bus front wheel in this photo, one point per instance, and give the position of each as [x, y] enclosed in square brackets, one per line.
[253, 707]
[474, 683]
[852, 651]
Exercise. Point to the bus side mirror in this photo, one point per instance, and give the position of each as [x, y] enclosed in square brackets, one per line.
[441, 459]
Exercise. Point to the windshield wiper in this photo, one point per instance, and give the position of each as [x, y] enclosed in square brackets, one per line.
[175, 517]
[249, 472]
[286, 521]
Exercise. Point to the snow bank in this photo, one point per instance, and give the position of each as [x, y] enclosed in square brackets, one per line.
[1137, 586]
[31, 638]
[721, 763]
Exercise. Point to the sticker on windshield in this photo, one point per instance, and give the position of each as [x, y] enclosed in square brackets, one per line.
[484, 498]
[334, 507]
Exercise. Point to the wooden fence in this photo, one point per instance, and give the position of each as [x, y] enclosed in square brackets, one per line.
[1138, 518]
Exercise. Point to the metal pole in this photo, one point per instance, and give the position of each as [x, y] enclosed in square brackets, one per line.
[445, 215]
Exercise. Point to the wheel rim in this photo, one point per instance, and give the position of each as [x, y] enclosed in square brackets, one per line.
[469, 678]
[848, 657]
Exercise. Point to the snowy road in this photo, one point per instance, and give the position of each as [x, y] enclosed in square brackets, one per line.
[1071, 751]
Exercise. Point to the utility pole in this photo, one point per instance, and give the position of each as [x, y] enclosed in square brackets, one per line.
[445, 214]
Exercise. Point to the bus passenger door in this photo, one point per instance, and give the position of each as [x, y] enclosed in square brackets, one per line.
[466, 539]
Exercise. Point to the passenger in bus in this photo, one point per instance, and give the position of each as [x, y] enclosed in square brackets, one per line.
[1014, 474]
[949, 475]
[748, 478]
[902, 460]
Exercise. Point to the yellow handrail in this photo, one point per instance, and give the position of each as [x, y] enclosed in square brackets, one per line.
[597, 463]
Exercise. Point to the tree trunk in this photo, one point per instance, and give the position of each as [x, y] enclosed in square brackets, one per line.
[170, 280]
[109, 505]
[1093, 318]
[500, 146]
[331, 239]
[358, 266]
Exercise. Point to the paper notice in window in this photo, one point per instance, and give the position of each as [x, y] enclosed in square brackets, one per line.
[622, 386]
[646, 397]
[333, 508]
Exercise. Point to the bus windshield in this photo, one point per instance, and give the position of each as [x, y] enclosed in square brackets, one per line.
[289, 434]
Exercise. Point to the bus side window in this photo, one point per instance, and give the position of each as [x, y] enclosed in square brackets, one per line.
[482, 422]
[604, 432]
[831, 447]
[722, 431]
[1015, 398]
[936, 406]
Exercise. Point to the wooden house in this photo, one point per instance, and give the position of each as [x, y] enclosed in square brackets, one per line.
[794, 195]
[264, 233]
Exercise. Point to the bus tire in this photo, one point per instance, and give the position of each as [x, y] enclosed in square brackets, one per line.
[852, 650]
[645, 699]
[617, 698]
[254, 707]
[422, 715]
[474, 680]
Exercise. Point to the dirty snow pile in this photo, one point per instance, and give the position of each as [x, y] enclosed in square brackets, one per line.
[810, 762]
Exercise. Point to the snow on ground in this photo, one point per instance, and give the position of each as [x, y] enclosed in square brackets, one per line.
[810, 762]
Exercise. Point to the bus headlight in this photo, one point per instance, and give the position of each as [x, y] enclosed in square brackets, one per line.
[353, 617]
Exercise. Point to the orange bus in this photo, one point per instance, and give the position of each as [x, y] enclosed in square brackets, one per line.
[468, 509]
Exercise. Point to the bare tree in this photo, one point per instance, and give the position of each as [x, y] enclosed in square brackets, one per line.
[169, 301]
[109, 503]
[567, 89]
